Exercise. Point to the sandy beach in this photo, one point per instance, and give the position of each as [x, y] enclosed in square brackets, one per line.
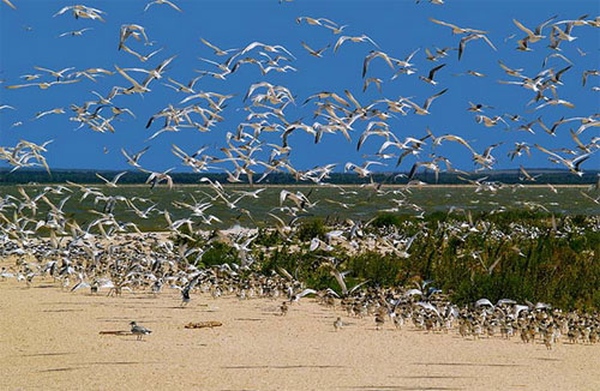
[52, 339]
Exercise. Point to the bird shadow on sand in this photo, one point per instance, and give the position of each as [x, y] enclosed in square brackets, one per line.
[547, 359]
[434, 377]
[96, 363]
[250, 319]
[64, 310]
[108, 363]
[283, 366]
[466, 364]
[408, 388]
[47, 354]
[64, 369]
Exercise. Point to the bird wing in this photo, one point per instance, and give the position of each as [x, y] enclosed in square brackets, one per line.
[340, 279]
[523, 28]
[442, 23]
[307, 291]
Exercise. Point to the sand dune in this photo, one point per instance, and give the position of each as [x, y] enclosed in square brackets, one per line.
[51, 339]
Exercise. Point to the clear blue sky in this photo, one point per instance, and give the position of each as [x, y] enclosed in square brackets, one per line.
[30, 37]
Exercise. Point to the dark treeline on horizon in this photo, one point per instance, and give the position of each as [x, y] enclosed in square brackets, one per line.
[542, 176]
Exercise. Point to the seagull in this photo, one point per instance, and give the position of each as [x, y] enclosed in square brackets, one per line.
[372, 80]
[472, 37]
[113, 182]
[585, 74]
[82, 11]
[316, 53]
[520, 147]
[315, 21]
[11, 5]
[294, 297]
[133, 159]
[328, 24]
[157, 177]
[361, 38]
[43, 85]
[489, 122]
[456, 29]
[218, 51]
[58, 110]
[133, 30]
[478, 108]
[527, 176]
[425, 109]
[268, 48]
[374, 54]
[340, 278]
[510, 71]
[58, 74]
[138, 330]
[532, 36]
[450, 137]
[75, 32]
[429, 78]
[136, 87]
[185, 291]
[172, 5]
[362, 171]
[475, 73]
[571, 164]
[554, 102]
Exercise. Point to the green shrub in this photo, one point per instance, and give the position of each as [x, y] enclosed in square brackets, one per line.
[384, 220]
[219, 253]
[384, 270]
[312, 228]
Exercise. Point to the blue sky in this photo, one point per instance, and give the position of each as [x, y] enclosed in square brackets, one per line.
[30, 37]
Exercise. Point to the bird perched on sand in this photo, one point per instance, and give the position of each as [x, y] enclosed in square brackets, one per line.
[379, 320]
[338, 324]
[138, 330]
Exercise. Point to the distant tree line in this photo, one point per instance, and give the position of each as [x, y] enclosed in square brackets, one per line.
[557, 177]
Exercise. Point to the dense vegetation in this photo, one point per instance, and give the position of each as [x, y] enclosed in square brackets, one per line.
[519, 255]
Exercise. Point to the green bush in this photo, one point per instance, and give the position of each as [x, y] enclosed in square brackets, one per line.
[219, 253]
[384, 220]
[383, 270]
[312, 228]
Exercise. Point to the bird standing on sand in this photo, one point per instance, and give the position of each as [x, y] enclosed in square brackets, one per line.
[338, 324]
[283, 308]
[138, 330]
[379, 320]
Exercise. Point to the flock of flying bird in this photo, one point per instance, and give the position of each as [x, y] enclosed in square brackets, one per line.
[262, 141]
[261, 144]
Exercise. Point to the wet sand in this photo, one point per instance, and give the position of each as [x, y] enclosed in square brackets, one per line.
[50, 339]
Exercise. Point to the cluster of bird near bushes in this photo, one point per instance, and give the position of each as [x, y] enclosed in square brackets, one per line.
[437, 273]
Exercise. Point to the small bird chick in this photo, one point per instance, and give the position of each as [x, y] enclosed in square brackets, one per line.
[338, 324]
[284, 308]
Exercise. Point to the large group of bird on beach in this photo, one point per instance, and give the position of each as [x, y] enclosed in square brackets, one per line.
[112, 255]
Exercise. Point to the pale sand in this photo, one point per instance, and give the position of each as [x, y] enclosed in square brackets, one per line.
[49, 339]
